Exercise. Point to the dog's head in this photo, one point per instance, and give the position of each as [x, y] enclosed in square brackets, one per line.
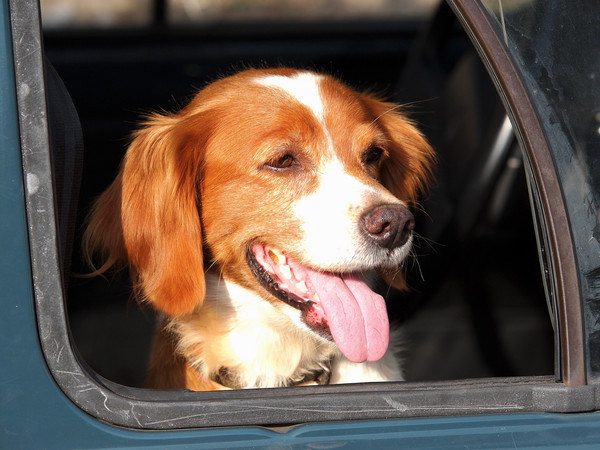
[288, 182]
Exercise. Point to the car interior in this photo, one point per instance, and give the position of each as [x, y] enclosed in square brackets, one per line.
[476, 306]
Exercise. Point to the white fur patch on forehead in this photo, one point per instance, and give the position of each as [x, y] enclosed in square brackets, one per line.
[303, 86]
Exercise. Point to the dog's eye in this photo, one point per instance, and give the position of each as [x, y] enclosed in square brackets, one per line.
[282, 162]
[372, 156]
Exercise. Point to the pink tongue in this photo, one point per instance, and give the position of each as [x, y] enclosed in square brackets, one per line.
[356, 315]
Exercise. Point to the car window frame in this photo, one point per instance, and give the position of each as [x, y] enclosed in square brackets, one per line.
[160, 410]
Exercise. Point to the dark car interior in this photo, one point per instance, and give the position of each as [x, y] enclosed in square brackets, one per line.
[476, 307]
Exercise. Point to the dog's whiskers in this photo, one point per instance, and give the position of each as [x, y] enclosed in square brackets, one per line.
[393, 108]
[415, 260]
[432, 244]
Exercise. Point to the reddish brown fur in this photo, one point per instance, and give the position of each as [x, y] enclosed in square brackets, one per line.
[189, 186]
[169, 370]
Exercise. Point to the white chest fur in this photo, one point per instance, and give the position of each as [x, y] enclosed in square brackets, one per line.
[264, 345]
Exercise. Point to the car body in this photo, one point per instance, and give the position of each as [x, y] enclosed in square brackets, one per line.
[50, 398]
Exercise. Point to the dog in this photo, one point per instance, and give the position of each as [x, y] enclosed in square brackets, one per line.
[250, 220]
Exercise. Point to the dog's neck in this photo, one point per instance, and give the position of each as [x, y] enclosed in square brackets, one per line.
[238, 334]
[229, 379]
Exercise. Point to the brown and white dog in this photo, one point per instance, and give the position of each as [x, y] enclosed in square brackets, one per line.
[250, 218]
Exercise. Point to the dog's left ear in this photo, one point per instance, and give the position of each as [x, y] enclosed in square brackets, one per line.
[408, 172]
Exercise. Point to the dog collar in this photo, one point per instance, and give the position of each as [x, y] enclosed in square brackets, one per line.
[321, 377]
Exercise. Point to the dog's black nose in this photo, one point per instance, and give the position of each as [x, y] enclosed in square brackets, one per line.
[389, 226]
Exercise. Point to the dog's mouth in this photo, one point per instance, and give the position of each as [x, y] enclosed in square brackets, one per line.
[335, 305]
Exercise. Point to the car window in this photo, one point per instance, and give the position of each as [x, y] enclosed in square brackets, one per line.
[460, 114]
[556, 46]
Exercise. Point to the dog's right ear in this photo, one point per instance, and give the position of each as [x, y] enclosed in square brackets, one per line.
[149, 218]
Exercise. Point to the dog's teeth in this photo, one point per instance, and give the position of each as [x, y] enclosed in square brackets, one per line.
[286, 272]
[301, 286]
[277, 256]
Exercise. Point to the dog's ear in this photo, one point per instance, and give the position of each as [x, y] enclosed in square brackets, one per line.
[408, 172]
[149, 218]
